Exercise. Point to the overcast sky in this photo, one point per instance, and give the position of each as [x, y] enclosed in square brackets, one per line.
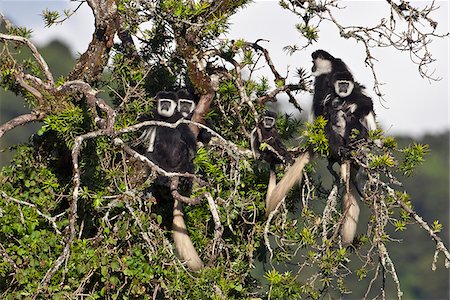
[412, 105]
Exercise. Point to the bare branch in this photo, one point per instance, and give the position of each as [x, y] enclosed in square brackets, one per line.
[21, 120]
[34, 51]
[50, 219]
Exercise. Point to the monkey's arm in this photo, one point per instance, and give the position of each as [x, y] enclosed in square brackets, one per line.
[274, 141]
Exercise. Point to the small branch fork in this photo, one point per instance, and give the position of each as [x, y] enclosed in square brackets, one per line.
[279, 80]
[406, 29]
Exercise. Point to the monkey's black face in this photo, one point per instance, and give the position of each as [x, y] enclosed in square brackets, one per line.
[268, 122]
[343, 88]
[186, 107]
[166, 107]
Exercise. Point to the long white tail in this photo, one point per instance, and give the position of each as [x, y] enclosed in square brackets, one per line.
[292, 175]
[350, 207]
[271, 185]
[183, 243]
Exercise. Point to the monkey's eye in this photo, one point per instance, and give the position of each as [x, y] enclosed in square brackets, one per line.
[268, 122]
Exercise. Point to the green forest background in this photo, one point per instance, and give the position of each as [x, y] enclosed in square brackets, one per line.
[429, 190]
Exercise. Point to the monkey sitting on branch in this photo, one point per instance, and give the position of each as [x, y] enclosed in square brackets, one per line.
[274, 152]
[349, 114]
[173, 149]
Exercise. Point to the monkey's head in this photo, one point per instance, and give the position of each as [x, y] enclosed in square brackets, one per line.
[322, 63]
[269, 119]
[186, 103]
[343, 83]
[167, 102]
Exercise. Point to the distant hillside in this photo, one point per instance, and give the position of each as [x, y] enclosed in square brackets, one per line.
[60, 61]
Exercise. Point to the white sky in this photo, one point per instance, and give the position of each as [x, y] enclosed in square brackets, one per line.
[413, 105]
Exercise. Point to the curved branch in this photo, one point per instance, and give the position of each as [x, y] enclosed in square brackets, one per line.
[91, 63]
[34, 51]
[21, 120]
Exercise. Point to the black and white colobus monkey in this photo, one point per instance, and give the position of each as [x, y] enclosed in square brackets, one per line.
[275, 153]
[186, 103]
[186, 106]
[340, 100]
[173, 149]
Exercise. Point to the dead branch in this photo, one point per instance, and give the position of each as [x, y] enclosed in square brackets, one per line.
[72, 215]
[279, 80]
[152, 165]
[440, 247]
[42, 63]
[407, 28]
[50, 219]
[21, 120]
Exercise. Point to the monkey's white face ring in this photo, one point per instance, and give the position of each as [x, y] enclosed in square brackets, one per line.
[343, 88]
[185, 107]
[321, 66]
[268, 122]
[166, 107]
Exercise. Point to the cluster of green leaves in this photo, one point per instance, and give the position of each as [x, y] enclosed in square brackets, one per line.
[68, 124]
[315, 136]
[28, 238]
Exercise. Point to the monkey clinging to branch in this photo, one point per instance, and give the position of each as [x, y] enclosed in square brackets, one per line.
[274, 152]
[173, 149]
[349, 114]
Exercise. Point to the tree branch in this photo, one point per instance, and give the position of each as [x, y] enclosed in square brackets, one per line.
[34, 51]
[21, 120]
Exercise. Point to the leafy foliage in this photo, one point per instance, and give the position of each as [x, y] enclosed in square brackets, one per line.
[119, 239]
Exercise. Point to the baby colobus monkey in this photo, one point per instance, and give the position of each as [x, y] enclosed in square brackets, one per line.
[173, 149]
[275, 153]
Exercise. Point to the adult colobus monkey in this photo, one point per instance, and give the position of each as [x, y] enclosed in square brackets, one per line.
[275, 152]
[173, 150]
[186, 106]
[342, 102]
[186, 103]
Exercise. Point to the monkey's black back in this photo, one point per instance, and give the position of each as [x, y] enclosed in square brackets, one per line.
[174, 148]
[272, 138]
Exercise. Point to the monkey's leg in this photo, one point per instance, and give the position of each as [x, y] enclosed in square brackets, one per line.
[181, 239]
[350, 207]
[271, 185]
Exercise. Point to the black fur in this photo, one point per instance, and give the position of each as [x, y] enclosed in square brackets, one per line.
[344, 114]
[322, 86]
[174, 149]
[271, 137]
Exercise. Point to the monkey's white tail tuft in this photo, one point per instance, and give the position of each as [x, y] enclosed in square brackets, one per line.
[350, 209]
[292, 175]
[183, 244]
[271, 185]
